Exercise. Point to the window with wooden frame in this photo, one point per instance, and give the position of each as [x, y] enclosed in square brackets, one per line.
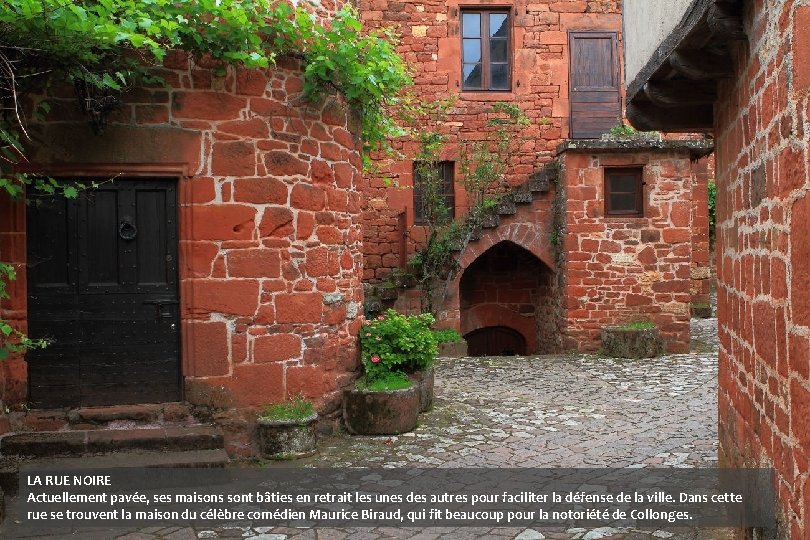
[624, 192]
[445, 171]
[485, 54]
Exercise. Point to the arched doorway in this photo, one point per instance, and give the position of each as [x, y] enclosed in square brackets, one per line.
[495, 341]
[506, 293]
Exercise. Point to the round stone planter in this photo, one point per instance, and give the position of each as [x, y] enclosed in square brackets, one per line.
[423, 380]
[287, 439]
[620, 342]
[386, 412]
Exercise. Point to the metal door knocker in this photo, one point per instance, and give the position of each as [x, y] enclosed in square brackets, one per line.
[127, 229]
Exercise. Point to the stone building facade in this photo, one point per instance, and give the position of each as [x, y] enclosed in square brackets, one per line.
[564, 64]
[753, 92]
[269, 239]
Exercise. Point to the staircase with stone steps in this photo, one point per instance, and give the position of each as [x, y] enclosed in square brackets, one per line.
[381, 296]
[148, 435]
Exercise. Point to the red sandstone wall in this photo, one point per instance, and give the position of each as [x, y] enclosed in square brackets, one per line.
[763, 245]
[618, 269]
[270, 260]
[701, 273]
[430, 42]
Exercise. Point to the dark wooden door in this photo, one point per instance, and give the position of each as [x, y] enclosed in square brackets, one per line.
[102, 284]
[594, 84]
[495, 341]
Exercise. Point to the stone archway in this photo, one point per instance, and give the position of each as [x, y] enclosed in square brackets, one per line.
[508, 286]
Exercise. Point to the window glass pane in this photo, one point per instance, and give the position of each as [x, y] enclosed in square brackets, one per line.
[499, 76]
[623, 202]
[471, 25]
[472, 75]
[498, 24]
[472, 50]
[623, 183]
[497, 50]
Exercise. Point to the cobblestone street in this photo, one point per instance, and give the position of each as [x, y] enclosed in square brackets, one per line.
[547, 411]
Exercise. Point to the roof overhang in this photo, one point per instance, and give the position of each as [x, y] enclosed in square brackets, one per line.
[677, 87]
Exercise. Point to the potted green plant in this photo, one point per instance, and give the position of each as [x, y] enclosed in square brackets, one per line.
[397, 351]
[287, 430]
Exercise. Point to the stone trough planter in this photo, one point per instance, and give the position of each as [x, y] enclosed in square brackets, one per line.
[622, 342]
[287, 439]
[452, 349]
[381, 412]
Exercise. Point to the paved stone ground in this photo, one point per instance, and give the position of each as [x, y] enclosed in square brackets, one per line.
[547, 411]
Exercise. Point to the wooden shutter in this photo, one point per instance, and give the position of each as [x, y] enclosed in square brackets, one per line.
[594, 84]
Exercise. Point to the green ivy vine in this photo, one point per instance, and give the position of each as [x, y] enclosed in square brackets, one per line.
[114, 45]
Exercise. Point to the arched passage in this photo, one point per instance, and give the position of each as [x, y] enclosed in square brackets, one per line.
[508, 287]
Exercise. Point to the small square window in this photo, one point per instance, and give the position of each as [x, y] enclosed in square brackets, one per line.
[624, 193]
[445, 174]
[485, 57]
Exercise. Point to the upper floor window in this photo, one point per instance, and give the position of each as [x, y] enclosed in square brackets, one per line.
[624, 192]
[485, 49]
[443, 173]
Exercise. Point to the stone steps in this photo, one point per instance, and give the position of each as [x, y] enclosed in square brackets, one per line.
[384, 295]
[100, 441]
[150, 413]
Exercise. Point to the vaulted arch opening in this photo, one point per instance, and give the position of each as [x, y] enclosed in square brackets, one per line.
[507, 303]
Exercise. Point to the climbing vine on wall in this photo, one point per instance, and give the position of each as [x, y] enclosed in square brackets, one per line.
[108, 46]
[483, 166]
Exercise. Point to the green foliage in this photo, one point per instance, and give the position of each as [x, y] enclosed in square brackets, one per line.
[396, 343]
[295, 409]
[623, 130]
[11, 340]
[484, 163]
[386, 381]
[638, 325]
[114, 44]
[712, 208]
[447, 335]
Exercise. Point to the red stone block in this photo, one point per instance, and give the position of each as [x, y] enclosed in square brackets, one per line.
[276, 348]
[321, 262]
[673, 236]
[255, 128]
[329, 235]
[207, 349]
[260, 190]
[276, 221]
[229, 297]
[321, 172]
[309, 381]
[260, 263]
[257, 384]
[198, 258]
[299, 308]
[304, 225]
[800, 261]
[344, 175]
[801, 49]
[222, 222]
[251, 82]
[280, 163]
[306, 197]
[207, 105]
[233, 158]
[799, 419]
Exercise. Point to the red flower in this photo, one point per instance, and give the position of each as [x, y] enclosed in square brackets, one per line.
[375, 359]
